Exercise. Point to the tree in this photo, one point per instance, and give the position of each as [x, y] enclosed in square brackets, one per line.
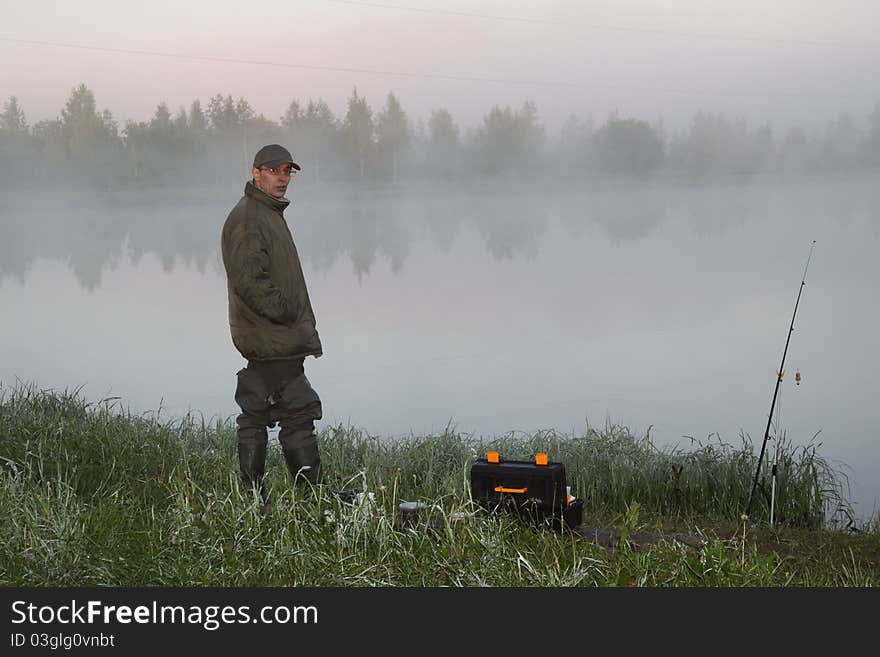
[223, 115]
[317, 138]
[495, 141]
[82, 126]
[294, 126]
[628, 146]
[12, 120]
[180, 122]
[530, 134]
[91, 138]
[718, 145]
[161, 121]
[163, 146]
[763, 148]
[444, 142]
[794, 151]
[17, 153]
[135, 136]
[293, 117]
[573, 149]
[393, 135]
[841, 145]
[258, 131]
[359, 130]
[244, 111]
[509, 140]
[197, 133]
[229, 123]
[48, 145]
[198, 123]
[80, 122]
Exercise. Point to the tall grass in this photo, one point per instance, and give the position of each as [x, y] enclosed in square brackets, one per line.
[610, 469]
[93, 494]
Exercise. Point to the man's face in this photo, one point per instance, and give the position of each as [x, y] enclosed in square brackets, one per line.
[273, 180]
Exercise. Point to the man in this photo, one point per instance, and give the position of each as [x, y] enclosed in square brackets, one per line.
[272, 324]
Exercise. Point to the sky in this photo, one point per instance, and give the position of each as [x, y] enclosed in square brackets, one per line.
[789, 62]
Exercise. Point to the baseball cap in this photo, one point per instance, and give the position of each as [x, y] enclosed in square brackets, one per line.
[273, 155]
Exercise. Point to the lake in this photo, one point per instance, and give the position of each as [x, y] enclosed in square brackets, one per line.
[659, 305]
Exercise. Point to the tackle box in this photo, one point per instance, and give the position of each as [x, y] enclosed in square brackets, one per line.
[536, 488]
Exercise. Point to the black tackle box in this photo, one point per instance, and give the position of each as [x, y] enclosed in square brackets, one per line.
[536, 489]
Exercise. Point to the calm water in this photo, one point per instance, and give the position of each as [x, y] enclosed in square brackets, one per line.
[648, 305]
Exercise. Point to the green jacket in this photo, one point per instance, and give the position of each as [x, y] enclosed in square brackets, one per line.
[270, 315]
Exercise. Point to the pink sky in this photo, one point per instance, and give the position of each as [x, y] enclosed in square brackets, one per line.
[790, 62]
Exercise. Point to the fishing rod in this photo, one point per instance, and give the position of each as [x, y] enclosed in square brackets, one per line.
[779, 374]
[777, 439]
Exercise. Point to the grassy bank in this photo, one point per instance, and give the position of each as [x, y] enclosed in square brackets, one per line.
[93, 495]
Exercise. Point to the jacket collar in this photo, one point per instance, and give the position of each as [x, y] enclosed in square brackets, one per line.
[277, 204]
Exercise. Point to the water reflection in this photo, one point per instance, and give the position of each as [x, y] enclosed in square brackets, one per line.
[92, 233]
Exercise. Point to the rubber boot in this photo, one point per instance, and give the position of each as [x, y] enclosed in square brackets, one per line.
[301, 453]
[252, 462]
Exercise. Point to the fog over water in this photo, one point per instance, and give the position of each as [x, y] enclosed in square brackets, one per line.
[660, 305]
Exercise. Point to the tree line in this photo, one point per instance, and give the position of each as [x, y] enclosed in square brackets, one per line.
[204, 145]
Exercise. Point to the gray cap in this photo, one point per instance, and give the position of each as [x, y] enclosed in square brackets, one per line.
[272, 156]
